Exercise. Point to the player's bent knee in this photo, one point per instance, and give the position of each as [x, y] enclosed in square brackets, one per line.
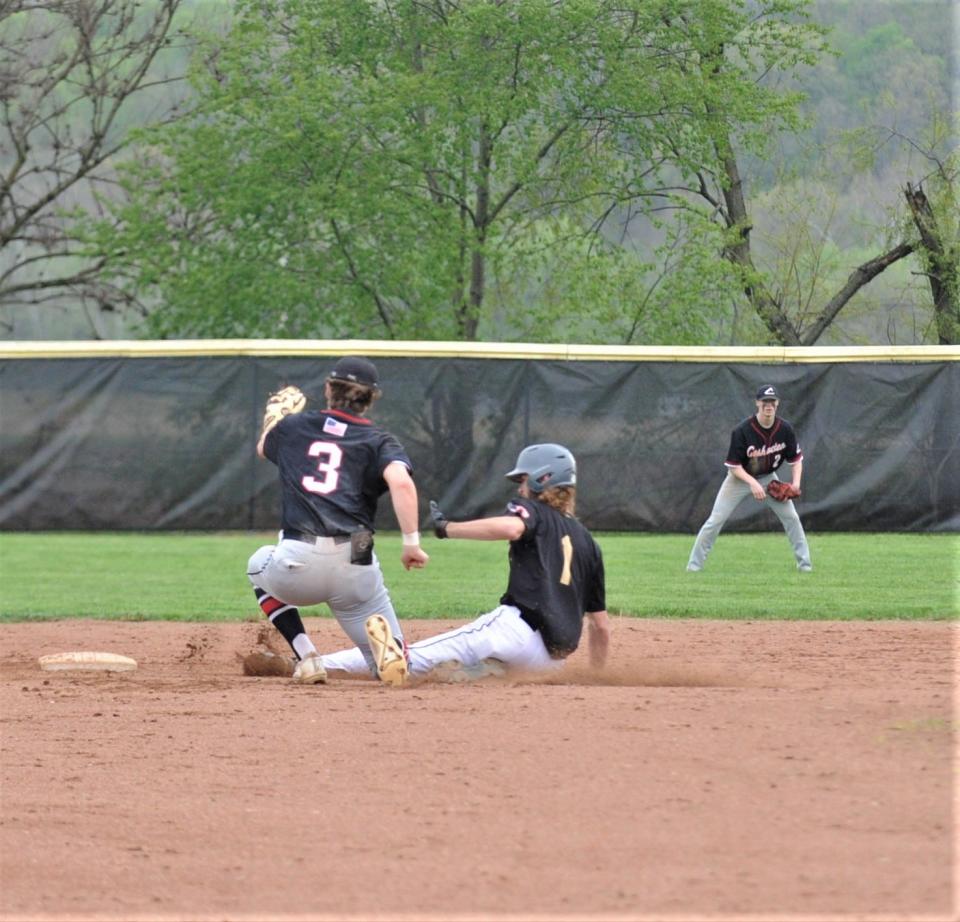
[258, 562]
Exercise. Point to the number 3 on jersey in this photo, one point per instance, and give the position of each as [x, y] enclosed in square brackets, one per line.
[329, 468]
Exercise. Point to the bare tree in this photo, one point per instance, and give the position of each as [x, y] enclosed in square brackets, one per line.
[936, 246]
[941, 257]
[930, 234]
[75, 76]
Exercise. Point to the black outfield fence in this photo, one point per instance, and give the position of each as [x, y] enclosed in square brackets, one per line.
[139, 435]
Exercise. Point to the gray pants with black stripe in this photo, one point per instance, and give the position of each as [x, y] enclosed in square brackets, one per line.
[734, 491]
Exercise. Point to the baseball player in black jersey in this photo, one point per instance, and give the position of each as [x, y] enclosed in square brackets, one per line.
[556, 579]
[334, 465]
[758, 446]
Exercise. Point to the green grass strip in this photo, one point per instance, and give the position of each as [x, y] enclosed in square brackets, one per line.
[201, 577]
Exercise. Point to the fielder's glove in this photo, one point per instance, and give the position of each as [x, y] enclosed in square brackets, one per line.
[440, 521]
[781, 491]
[285, 401]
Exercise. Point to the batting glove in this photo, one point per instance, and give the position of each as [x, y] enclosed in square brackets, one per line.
[440, 521]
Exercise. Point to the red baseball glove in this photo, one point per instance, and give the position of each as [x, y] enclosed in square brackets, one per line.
[781, 491]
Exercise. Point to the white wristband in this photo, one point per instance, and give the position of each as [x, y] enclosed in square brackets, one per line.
[411, 539]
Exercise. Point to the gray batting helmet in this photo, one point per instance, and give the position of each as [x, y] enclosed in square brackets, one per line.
[545, 466]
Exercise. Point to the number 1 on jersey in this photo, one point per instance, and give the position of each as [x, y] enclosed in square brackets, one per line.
[567, 546]
[330, 469]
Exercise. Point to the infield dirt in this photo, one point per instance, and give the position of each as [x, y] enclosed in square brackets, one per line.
[716, 770]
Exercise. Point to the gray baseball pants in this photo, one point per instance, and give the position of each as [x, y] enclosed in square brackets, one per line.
[309, 574]
[734, 491]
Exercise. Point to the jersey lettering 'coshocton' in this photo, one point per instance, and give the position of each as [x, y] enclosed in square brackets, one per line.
[761, 451]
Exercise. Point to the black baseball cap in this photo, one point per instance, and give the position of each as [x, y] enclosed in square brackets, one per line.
[767, 392]
[356, 370]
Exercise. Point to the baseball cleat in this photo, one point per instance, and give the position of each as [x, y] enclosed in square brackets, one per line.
[388, 655]
[310, 671]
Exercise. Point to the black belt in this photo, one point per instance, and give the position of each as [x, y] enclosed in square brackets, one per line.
[312, 539]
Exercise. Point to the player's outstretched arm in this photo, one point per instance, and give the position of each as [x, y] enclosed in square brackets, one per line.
[495, 528]
[403, 495]
[598, 637]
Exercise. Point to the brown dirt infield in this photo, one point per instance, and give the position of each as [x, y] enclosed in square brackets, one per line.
[719, 770]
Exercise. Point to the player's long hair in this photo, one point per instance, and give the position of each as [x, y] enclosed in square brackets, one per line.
[563, 499]
[349, 397]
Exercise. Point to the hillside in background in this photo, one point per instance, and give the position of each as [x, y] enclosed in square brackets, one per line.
[891, 77]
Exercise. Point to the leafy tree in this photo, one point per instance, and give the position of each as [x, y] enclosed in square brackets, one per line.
[410, 170]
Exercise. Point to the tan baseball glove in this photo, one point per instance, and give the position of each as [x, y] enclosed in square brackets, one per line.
[781, 491]
[287, 400]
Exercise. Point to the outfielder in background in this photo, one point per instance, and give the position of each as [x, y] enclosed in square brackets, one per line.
[556, 581]
[758, 447]
[334, 465]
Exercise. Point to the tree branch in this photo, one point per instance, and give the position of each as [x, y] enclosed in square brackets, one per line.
[858, 278]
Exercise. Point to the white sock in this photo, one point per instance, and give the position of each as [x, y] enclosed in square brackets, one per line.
[303, 645]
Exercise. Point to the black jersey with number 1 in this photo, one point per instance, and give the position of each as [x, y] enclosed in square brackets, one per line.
[331, 467]
[556, 574]
[761, 451]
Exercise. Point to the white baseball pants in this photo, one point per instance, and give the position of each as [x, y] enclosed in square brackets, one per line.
[500, 634]
[298, 574]
[734, 491]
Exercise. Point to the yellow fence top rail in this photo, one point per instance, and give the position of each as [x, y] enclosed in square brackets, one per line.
[420, 349]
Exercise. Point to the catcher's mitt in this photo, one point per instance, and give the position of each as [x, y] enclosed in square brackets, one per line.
[781, 491]
[285, 401]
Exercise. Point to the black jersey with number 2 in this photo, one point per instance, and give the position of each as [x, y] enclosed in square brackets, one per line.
[556, 574]
[331, 470]
[761, 451]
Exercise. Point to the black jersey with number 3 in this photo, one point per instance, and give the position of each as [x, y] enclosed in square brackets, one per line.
[556, 574]
[331, 470]
[761, 451]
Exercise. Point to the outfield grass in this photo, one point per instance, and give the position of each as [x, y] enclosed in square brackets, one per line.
[200, 577]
